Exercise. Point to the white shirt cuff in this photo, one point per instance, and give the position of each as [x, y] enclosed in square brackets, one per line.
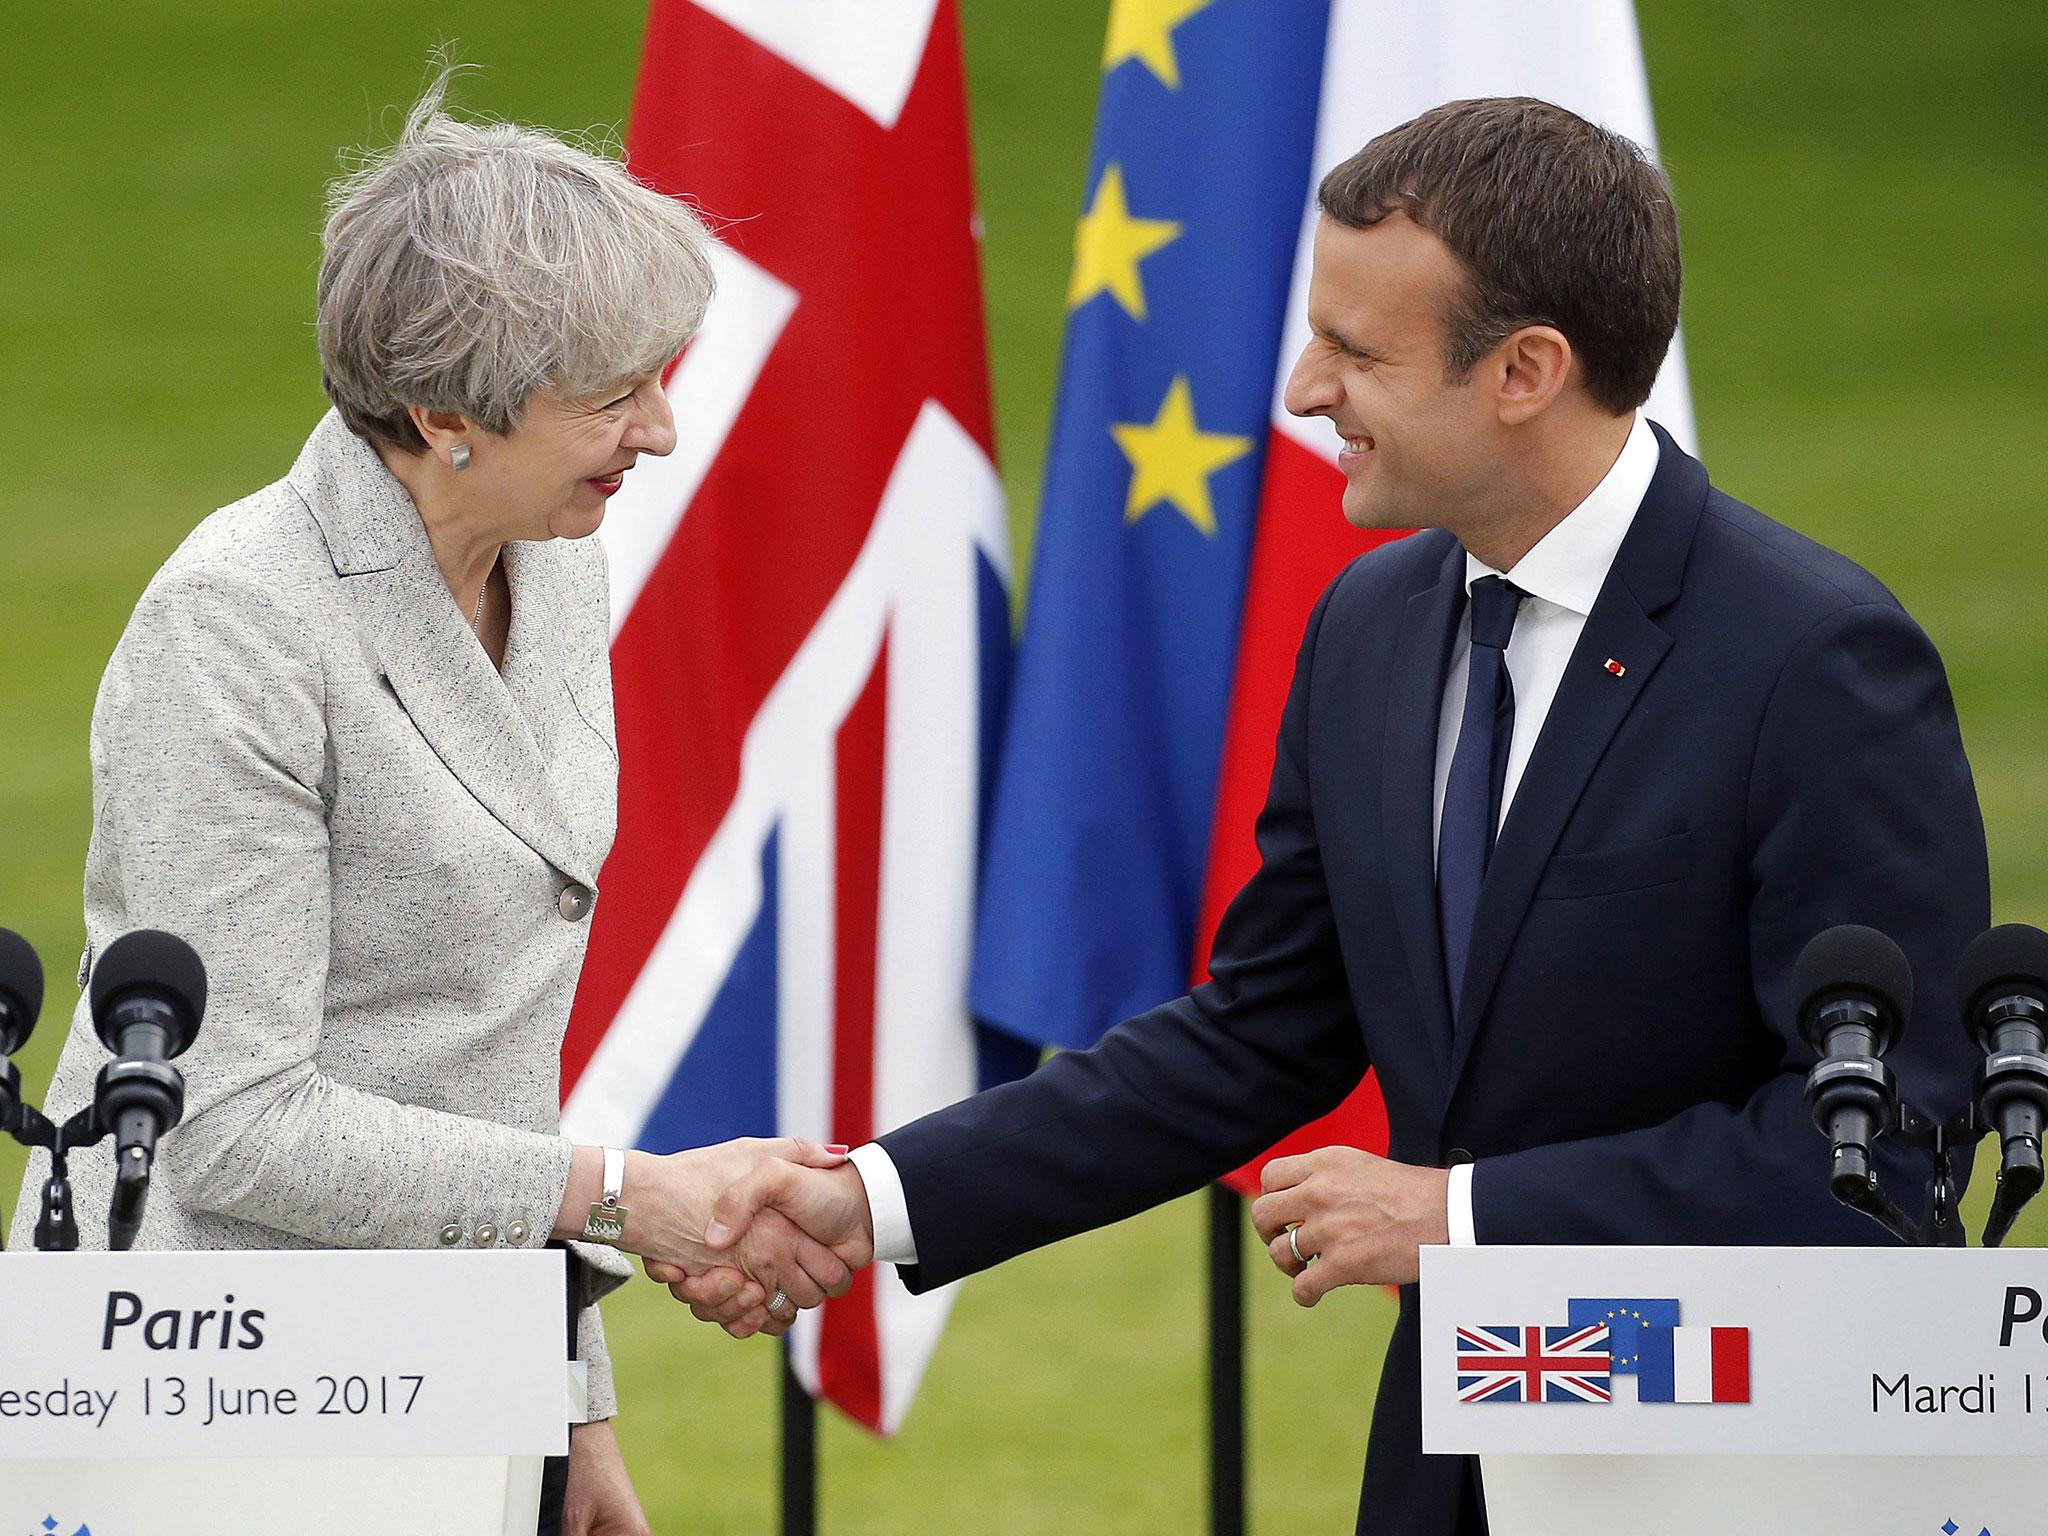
[1458, 1200]
[887, 1208]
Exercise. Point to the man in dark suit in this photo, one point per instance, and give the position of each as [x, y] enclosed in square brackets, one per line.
[1564, 784]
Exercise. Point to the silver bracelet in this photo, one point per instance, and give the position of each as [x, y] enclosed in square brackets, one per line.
[607, 1220]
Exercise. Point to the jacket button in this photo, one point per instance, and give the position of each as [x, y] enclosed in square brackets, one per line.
[515, 1232]
[1456, 1156]
[575, 902]
[486, 1235]
[450, 1235]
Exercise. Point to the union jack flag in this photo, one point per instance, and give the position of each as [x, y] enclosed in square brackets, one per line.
[810, 630]
[1533, 1365]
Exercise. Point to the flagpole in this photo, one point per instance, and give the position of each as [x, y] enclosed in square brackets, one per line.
[799, 1451]
[1226, 1363]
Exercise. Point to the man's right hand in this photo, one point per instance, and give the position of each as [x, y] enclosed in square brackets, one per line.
[831, 1204]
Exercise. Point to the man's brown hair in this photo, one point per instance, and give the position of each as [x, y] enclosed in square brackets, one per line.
[1555, 220]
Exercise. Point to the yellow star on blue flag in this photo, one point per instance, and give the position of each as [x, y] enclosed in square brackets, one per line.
[1143, 29]
[1109, 244]
[1172, 459]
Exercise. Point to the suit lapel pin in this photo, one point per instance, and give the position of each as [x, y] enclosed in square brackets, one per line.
[1616, 667]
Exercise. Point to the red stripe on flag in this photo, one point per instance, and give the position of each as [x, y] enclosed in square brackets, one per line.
[873, 229]
[849, 1347]
[1730, 1350]
[1301, 545]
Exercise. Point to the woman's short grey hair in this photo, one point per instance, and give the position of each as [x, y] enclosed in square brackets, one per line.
[473, 263]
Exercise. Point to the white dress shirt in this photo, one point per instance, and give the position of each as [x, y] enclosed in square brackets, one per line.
[1562, 574]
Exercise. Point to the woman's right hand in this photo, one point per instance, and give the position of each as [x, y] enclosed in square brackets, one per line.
[830, 1205]
[669, 1200]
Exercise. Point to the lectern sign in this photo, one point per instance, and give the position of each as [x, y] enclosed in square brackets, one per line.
[270, 1354]
[1731, 1351]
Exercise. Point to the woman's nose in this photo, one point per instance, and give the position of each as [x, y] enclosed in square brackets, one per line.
[654, 430]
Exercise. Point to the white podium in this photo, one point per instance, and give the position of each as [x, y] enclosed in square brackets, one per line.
[1697, 1390]
[181, 1393]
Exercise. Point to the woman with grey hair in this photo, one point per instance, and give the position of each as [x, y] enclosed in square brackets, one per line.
[356, 746]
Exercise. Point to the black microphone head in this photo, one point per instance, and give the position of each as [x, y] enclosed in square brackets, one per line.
[1854, 962]
[152, 964]
[21, 990]
[2012, 956]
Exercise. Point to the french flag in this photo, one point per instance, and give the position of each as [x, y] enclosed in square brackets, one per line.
[1693, 1365]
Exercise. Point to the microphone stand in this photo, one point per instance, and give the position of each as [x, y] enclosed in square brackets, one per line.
[2019, 1179]
[2012, 1078]
[2018, 1182]
[1943, 1140]
[148, 1084]
[57, 1226]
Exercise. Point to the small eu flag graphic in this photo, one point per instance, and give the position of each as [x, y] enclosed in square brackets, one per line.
[1625, 1319]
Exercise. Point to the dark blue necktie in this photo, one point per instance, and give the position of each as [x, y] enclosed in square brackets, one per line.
[1478, 769]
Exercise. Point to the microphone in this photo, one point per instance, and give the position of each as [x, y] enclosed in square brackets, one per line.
[21, 991]
[21, 1000]
[2004, 987]
[148, 996]
[1855, 990]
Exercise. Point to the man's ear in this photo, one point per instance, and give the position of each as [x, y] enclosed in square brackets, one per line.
[1528, 371]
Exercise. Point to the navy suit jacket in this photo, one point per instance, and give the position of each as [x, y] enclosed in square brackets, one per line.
[1777, 753]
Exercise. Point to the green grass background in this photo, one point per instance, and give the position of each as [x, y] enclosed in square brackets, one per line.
[1862, 188]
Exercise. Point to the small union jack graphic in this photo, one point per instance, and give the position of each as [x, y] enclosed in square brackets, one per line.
[1533, 1365]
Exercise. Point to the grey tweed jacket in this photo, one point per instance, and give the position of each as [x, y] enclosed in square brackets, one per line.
[386, 854]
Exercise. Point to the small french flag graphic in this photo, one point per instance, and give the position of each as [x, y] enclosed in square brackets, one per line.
[1694, 1365]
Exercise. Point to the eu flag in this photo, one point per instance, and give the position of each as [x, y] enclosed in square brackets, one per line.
[1100, 828]
[1633, 1327]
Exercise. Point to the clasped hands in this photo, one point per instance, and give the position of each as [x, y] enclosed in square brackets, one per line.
[803, 1217]
[733, 1227]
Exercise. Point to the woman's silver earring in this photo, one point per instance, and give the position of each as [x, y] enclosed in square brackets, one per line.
[459, 455]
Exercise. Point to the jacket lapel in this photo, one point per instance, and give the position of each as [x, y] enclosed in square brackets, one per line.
[1408, 802]
[533, 673]
[443, 678]
[1590, 706]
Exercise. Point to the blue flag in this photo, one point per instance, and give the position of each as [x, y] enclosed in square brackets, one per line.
[1633, 1327]
[1100, 826]
[1657, 1365]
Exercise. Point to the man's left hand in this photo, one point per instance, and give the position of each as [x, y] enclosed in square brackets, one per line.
[1360, 1218]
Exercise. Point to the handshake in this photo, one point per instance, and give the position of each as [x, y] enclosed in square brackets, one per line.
[748, 1232]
